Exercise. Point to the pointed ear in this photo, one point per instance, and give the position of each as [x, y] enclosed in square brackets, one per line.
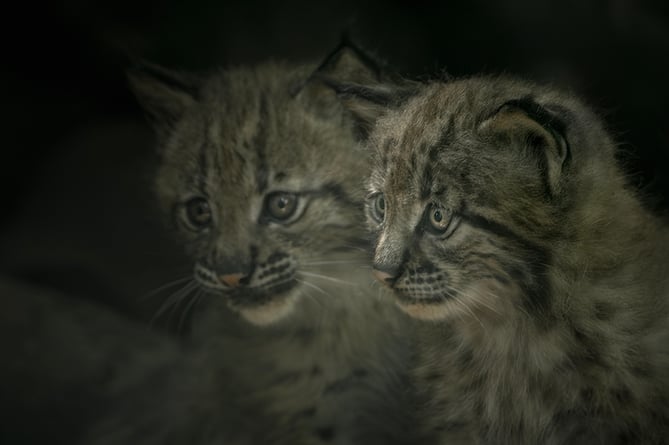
[350, 63]
[163, 94]
[367, 103]
[526, 123]
[365, 87]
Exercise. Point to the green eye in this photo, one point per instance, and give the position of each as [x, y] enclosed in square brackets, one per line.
[439, 219]
[198, 213]
[281, 205]
[379, 207]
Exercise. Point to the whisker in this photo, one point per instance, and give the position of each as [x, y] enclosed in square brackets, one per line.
[332, 262]
[313, 286]
[318, 301]
[479, 298]
[174, 309]
[326, 277]
[173, 300]
[164, 286]
[469, 310]
[189, 309]
[361, 249]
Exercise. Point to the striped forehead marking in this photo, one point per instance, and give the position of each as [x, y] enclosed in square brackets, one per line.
[260, 145]
[412, 162]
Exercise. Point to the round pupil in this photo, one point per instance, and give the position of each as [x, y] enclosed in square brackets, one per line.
[282, 206]
[437, 216]
[200, 209]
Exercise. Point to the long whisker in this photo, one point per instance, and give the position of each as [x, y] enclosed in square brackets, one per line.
[318, 301]
[174, 309]
[478, 298]
[173, 300]
[469, 310]
[349, 246]
[164, 286]
[331, 262]
[482, 301]
[313, 286]
[189, 308]
[326, 277]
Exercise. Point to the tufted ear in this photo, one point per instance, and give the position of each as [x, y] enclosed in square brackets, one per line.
[360, 82]
[369, 102]
[163, 94]
[526, 123]
[348, 62]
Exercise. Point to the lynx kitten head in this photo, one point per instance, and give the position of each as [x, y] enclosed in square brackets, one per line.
[260, 174]
[474, 186]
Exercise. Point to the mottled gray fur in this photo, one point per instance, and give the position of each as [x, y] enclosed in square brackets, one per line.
[503, 221]
[316, 356]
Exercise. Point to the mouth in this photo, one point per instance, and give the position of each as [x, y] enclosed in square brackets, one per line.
[429, 306]
[407, 295]
[250, 297]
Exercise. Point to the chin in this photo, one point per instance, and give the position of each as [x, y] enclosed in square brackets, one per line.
[426, 311]
[269, 312]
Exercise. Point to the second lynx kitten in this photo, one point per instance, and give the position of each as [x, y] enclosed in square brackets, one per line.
[260, 177]
[504, 223]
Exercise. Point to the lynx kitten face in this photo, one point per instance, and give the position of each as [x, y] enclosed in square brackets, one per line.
[261, 177]
[466, 197]
[259, 173]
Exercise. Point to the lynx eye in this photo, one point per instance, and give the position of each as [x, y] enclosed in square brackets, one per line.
[439, 219]
[198, 213]
[379, 207]
[281, 206]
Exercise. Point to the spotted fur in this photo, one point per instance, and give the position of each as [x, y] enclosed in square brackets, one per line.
[261, 178]
[503, 221]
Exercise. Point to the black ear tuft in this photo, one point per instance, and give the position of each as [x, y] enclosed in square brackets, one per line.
[550, 121]
[346, 63]
[369, 102]
[163, 94]
[362, 84]
[349, 62]
[536, 128]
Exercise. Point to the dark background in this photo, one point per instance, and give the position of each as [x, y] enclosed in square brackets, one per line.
[76, 152]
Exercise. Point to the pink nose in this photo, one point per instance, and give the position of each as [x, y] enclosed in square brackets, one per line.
[231, 280]
[383, 277]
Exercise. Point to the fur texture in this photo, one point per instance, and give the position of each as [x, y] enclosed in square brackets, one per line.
[503, 221]
[261, 178]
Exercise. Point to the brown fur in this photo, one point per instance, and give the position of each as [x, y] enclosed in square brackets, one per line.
[290, 344]
[546, 303]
